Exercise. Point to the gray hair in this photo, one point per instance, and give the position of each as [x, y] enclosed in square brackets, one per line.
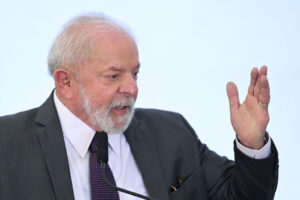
[74, 44]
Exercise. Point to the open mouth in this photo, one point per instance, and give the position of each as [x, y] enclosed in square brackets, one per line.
[120, 107]
[120, 110]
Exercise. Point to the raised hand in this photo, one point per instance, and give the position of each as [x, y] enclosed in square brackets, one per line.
[250, 119]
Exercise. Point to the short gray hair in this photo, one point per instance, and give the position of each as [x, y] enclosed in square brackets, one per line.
[74, 44]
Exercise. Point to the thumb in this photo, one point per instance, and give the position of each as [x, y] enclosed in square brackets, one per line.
[233, 96]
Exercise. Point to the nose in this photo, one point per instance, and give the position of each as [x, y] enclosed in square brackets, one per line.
[129, 87]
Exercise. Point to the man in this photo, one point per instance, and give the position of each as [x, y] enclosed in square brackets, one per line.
[45, 151]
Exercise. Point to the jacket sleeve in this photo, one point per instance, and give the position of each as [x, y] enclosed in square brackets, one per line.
[244, 179]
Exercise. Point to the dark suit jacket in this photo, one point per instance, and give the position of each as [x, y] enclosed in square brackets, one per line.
[34, 163]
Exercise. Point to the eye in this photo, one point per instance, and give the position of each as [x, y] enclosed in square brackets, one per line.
[135, 75]
[114, 76]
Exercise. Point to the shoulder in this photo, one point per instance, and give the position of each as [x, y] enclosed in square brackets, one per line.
[164, 123]
[17, 117]
[142, 113]
[161, 117]
[9, 124]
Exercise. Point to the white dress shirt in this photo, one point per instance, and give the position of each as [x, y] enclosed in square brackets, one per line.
[78, 137]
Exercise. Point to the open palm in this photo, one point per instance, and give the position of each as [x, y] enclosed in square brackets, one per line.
[250, 119]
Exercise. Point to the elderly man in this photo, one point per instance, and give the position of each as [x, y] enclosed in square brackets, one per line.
[47, 153]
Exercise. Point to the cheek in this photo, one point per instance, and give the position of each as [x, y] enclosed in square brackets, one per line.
[103, 99]
[77, 104]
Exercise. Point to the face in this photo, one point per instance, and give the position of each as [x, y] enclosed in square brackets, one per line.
[106, 87]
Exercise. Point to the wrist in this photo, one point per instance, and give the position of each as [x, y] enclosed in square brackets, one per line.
[257, 144]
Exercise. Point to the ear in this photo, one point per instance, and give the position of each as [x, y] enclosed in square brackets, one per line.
[64, 82]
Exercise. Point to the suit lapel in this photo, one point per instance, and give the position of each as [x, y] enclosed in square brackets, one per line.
[143, 149]
[52, 144]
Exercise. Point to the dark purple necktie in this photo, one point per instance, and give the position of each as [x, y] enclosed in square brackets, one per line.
[100, 190]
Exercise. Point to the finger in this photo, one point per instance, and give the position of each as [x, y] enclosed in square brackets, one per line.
[264, 95]
[233, 96]
[262, 71]
[254, 76]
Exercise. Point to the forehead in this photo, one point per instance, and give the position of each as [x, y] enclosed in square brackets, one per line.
[114, 46]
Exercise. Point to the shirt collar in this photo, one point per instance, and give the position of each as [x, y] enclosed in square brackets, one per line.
[114, 141]
[79, 133]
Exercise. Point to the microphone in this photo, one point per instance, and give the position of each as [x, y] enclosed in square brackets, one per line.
[102, 155]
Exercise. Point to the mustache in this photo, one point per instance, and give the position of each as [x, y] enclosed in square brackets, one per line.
[122, 101]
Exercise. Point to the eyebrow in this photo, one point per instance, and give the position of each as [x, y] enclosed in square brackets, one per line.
[119, 69]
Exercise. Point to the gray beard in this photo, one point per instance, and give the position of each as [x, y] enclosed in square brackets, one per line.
[101, 118]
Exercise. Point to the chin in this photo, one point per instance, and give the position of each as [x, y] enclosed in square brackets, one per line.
[114, 124]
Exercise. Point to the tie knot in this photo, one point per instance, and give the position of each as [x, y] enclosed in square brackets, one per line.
[94, 143]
